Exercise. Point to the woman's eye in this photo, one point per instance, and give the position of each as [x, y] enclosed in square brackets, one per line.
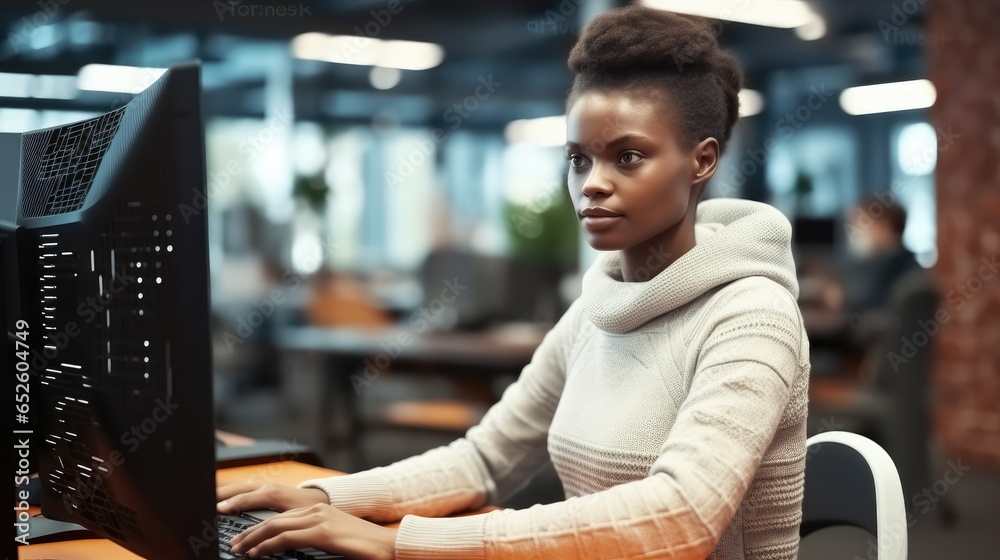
[630, 157]
[575, 160]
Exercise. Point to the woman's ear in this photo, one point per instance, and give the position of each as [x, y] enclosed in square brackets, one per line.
[705, 160]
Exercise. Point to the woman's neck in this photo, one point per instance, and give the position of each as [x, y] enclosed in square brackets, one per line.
[647, 259]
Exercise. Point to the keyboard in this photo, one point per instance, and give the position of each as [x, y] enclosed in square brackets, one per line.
[232, 525]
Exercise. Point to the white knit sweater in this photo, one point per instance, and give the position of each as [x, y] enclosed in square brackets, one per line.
[673, 410]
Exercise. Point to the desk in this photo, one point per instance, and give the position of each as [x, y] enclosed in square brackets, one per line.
[286, 472]
[823, 323]
[363, 355]
[507, 347]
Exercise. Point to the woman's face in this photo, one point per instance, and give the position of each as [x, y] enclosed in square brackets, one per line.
[626, 158]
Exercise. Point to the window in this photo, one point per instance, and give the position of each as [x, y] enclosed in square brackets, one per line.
[915, 149]
[814, 172]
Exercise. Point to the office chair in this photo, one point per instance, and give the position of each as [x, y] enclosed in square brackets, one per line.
[850, 480]
[905, 424]
[893, 402]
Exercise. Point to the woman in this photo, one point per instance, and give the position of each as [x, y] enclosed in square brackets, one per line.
[671, 396]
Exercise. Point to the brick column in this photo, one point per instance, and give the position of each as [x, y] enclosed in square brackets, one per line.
[963, 47]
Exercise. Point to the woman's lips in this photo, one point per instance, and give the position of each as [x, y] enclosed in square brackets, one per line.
[598, 223]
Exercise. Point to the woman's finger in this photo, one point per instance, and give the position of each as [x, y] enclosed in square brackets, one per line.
[292, 513]
[260, 498]
[267, 529]
[287, 541]
[299, 512]
[229, 490]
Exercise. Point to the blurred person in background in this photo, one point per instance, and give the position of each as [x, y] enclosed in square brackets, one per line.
[671, 396]
[876, 260]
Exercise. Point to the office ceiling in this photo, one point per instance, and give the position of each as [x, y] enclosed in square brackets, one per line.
[521, 44]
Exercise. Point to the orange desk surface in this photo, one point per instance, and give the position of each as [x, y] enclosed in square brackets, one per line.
[287, 472]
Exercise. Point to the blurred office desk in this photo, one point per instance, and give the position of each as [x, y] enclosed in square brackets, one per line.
[232, 450]
[823, 323]
[288, 473]
[858, 328]
[353, 358]
[499, 348]
[837, 343]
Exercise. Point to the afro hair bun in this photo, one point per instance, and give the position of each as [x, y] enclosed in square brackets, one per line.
[638, 38]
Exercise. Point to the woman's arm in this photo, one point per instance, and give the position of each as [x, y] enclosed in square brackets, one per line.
[493, 459]
[750, 370]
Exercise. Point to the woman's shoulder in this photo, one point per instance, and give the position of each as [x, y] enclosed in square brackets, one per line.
[749, 302]
[756, 293]
[759, 320]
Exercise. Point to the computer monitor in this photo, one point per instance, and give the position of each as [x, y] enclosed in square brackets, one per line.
[116, 302]
[817, 233]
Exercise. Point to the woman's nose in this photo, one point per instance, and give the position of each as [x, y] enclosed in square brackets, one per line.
[597, 183]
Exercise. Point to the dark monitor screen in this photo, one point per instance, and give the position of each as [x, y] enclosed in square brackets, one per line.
[814, 232]
[116, 301]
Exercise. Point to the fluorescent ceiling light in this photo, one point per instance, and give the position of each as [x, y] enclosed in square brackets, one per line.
[544, 131]
[813, 30]
[751, 102]
[367, 51]
[785, 14]
[39, 86]
[884, 98]
[384, 78]
[118, 79]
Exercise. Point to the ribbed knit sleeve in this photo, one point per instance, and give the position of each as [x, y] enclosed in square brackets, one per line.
[749, 370]
[495, 457]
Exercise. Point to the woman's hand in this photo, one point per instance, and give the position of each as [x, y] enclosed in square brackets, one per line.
[246, 496]
[319, 526]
